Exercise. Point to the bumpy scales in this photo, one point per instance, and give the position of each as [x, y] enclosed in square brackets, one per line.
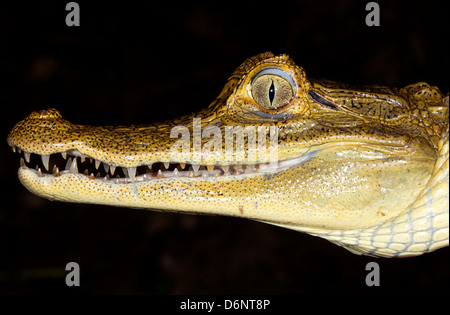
[364, 167]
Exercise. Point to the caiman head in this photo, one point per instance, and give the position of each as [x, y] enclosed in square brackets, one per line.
[345, 163]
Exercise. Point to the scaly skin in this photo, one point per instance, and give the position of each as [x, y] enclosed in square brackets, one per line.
[366, 168]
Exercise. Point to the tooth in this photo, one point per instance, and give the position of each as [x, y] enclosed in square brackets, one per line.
[73, 166]
[22, 162]
[182, 165]
[92, 176]
[125, 171]
[175, 172]
[57, 172]
[64, 155]
[132, 173]
[69, 162]
[39, 172]
[19, 150]
[91, 160]
[106, 167]
[195, 167]
[27, 156]
[150, 166]
[166, 165]
[13, 148]
[191, 174]
[45, 159]
[97, 175]
[83, 158]
[160, 174]
[97, 164]
[54, 169]
[225, 168]
[210, 168]
[86, 172]
[205, 174]
[112, 168]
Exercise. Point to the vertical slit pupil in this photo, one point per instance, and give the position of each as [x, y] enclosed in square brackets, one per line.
[271, 92]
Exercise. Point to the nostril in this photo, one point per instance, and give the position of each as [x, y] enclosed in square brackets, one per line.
[50, 113]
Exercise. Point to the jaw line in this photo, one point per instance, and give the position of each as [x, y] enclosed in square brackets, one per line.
[264, 168]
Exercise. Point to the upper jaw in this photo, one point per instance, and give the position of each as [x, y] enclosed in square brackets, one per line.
[52, 145]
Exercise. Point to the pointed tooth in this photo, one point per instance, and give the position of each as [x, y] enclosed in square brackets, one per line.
[125, 171]
[64, 155]
[27, 156]
[97, 164]
[182, 165]
[191, 174]
[166, 165]
[54, 169]
[106, 167]
[19, 150]
[210, 168]
[112, 168]
[39, 172]
[86, 172]
[91, 160]
[73, 166]
[69, 162]
[132, 173]
[106, 177]
[175, 172]
[160, 174]
[97, 175]
[92, 176]
[195, 167]
[13, 148]
[45, 159]
[22, 162]
[57, 173]
[82, 159]
[205, 174]
[225, 168]
[150, 166]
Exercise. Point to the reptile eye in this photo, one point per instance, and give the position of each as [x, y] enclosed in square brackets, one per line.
[272, 88]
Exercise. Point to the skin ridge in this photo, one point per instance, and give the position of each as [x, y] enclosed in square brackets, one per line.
[369, 170]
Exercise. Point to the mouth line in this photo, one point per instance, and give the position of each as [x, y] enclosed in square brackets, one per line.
[76, 163]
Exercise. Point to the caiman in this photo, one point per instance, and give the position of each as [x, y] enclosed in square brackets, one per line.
[364, 167]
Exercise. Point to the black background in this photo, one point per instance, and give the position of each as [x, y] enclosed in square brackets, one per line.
[141, 62]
